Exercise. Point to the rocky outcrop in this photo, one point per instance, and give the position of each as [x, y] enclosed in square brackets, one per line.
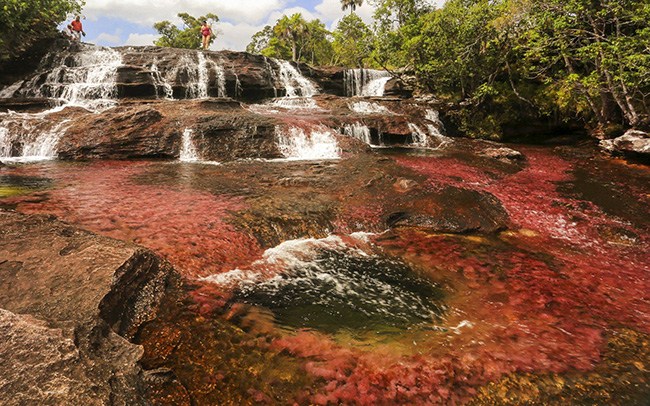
[70, 301]
[44, 365]
[633, 142]
[454, 210]
[222, 130]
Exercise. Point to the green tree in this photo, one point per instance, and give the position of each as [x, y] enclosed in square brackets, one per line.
[352, 43]
[296, 39]
[188, 36]
[593, 55]
[23, 23]
[351, 4]
[291, 29]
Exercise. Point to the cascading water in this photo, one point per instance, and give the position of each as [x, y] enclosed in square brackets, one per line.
[419, 136]
[294, 83]
[188, 150]
[85, 79]
[358, 131]
[196, 74]
[316, 143]
[363, 107]
[365, 82]
[435, 130]
[28, 137]
[160, 82]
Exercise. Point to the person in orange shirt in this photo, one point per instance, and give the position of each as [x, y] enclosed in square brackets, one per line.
[77, 30]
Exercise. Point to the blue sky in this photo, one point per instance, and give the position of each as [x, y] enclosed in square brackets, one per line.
[128, 22]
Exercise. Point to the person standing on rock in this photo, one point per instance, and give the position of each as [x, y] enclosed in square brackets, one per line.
[206, 31]
[67, 32]
[77, 30]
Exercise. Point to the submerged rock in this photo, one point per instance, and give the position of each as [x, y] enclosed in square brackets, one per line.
[66, 295]
[454, 210]
[634, 142]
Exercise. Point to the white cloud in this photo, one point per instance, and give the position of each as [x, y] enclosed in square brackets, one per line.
[233, 37]
[141, 39]
[109, 38]
[240, 19]
[147, 12]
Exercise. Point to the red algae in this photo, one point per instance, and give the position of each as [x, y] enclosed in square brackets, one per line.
[188, 228]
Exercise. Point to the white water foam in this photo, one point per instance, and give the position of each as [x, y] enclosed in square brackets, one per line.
[294, 83]
[160, 81]
[9, 91]
[358, 131]
[289, 254]
[188, 149]
[419, 136]
[365, 82]
[86, 79]
[297, 144]
[29, 137]
[435, 129]
[367, 108]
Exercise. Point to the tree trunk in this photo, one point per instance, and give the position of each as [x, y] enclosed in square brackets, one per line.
[584, 92]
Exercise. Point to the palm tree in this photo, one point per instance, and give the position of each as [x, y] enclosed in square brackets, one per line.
[290, 29]
[352, 4]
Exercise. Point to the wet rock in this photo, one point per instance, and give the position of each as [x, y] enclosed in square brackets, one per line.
[46, 366]
[66, 295]
[501, 153]
[397, 88]
[453, 210]
[67, 276]
[222, 130]
[634, 142]
[25, 105]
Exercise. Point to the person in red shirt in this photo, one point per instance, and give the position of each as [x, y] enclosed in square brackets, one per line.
[76, 29]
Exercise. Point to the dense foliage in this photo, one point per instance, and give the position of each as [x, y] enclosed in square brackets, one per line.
[505, 61]
[25, 22]
[188, 36]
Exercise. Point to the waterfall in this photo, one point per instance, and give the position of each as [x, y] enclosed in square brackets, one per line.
[85, 79]
[358, 131]
[436, 129]
[317, 143]
[29, 137]
[188, 150]
[10, 90]
[294, 83]
[363, 107]
[419, 136]
[160, 81]
[198, 76]
[365, 82]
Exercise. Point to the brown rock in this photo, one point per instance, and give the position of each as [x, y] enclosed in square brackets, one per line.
[77, 290]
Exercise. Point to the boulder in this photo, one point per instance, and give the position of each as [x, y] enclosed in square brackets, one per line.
[70, 299]
[633, 142]
[453, 210]
[501, 153]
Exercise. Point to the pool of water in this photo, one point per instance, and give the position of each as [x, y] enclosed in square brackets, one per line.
[285, 301]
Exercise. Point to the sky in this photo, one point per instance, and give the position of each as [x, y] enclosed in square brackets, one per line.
[129, 22]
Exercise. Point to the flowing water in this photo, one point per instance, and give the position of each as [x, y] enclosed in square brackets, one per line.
[299, 287]
[365, 82]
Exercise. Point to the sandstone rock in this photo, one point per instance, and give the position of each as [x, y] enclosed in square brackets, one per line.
[42, 365]
[634, 142]
[454, 210]
[501, 153]
[74, 292]
[67, 276]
